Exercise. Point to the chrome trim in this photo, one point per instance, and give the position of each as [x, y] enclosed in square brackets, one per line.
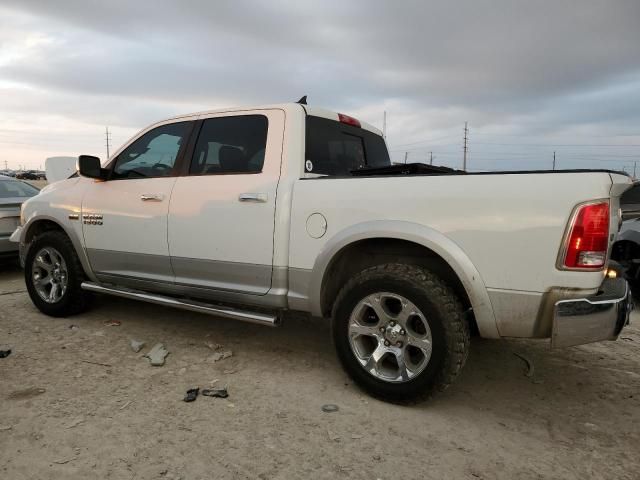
[253, 197]
[74, 216]
[258, 318]
[151, 197]
[595, 318]
[92, 219]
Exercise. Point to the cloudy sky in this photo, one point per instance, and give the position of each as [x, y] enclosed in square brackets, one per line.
[530, 77]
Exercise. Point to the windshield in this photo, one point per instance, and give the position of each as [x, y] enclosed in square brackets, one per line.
[13, 188]
[335, 148]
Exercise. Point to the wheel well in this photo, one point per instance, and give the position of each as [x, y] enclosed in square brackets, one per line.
[624, 250]
[363, 254]
[39, 227]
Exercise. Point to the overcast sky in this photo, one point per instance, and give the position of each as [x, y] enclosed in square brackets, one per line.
[530, 77]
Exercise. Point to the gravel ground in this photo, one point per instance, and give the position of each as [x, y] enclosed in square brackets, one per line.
[63, 416]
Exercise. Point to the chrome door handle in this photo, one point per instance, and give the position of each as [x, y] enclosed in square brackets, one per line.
[151, 197]
[253, 197]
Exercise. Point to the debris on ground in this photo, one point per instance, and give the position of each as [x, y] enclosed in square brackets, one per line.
[229, 371]
[215, 392]
[192, 394]
[5, 428]
[333, 436]
[125, 405]
[219, 356]
[213, 346]
[73, 327]
[529, 372]
[5, 351]
[26, 393]
[76, 422]
[136, 345]
[96, 363]
[628, 339]
[112, 323]
[157, 355]
[330, 408]
[63, 461]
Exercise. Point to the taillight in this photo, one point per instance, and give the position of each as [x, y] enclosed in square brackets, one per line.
[348, 120]
[588, 238]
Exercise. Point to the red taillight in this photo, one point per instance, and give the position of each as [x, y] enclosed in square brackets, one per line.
[589, 237]
[348, 120]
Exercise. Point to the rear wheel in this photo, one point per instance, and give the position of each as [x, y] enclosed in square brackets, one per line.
[53, 275]
[400, 332]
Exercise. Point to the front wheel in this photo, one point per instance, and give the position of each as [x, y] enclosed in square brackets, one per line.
[53, 275]
[400, 332]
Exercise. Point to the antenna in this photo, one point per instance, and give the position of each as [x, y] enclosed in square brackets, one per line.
[303, 100]
[384, 125]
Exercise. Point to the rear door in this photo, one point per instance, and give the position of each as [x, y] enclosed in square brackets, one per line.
[221, 217]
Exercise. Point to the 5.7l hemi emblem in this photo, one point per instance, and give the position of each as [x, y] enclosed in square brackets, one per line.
[92, 219]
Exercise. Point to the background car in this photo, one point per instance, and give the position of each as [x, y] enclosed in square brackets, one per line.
[28, 175]
[12, 194]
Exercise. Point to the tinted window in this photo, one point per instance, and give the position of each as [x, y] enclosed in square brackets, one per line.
[334, 148]
[12, 188]
[152, 155]
[230, 145]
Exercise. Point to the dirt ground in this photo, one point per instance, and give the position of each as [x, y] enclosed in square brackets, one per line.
[63, 417]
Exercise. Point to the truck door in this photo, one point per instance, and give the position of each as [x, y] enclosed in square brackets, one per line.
[125, 218]
[221, 216]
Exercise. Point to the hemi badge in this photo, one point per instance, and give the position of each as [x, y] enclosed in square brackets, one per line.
[74, 216]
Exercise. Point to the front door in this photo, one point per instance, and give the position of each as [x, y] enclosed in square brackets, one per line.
[125, 218]
[221, 217]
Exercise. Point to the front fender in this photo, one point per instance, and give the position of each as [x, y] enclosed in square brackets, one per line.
[419, 234]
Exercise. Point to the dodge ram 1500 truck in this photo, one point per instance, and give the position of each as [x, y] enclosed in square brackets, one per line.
[251, 213]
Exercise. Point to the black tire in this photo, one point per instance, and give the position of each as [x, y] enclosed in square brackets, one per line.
[74, 300]
[443, 311]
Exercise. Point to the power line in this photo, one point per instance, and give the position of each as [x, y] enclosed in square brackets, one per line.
[108, 139]
[466, 137]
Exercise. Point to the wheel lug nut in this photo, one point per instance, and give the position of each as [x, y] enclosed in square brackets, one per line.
[382, 329]
[402, 332]
[392, 323]
[386, 343]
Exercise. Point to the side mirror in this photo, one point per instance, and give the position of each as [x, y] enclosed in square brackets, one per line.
[89, 166]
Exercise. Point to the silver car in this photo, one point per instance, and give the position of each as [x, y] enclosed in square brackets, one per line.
[12, 193]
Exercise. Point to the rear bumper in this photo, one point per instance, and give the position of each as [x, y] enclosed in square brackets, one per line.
[594, 318]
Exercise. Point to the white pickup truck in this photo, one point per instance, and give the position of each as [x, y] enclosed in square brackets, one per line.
[251, 213]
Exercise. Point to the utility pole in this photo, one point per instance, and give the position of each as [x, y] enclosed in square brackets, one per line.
[406, 154]
[384, 125]
[634, 170]
[554, 161]
[430, 158]
[466, 138]
[107, 136]
[6, 165]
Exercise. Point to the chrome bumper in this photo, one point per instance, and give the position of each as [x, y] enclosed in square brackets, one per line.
[595, 318]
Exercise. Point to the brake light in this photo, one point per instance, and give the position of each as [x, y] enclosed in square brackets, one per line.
[588, 237]
[348, 120]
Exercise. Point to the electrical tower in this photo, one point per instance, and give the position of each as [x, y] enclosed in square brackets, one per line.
[430, 158]
[554, 161]
[107, 136]
[466, 148]
[406, 154]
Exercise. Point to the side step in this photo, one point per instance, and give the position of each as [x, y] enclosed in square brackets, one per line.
[184, 304]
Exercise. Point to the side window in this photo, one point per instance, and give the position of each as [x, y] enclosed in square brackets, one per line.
[230, 145]
[152, 155]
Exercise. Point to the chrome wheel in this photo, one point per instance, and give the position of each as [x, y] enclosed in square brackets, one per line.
[390, 337]
[49, 274]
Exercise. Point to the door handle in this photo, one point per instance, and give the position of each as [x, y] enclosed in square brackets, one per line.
[253, 197]
[151, 197]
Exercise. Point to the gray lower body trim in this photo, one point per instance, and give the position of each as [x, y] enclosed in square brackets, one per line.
[299, 286]
[134, 265]
[227, 276]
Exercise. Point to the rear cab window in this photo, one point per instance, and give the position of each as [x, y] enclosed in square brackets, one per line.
[336, 149]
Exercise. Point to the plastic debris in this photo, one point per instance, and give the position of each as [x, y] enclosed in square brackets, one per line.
[112, 323]
[73, 327]
[213, 346]
[529, 363]
[157, 355]
[330, 408]
[136, 345]
[220, 356]
[215, 392]
[191, 395]
[5, 351]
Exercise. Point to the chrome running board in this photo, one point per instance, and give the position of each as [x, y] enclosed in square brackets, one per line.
[185, 304]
